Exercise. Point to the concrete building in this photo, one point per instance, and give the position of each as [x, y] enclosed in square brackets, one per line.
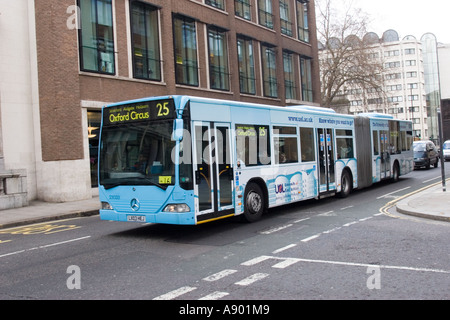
[403, 94]
[62, 60]
[444, 74]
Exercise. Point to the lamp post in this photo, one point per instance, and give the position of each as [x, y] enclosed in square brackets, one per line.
[441, 151]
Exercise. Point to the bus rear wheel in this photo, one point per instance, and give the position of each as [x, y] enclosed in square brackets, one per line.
[346, 184]
[254, 203]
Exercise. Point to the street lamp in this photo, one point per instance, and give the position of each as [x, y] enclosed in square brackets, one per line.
[441, 151]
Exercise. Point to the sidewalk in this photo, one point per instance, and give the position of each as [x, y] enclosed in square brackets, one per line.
[39, 211]
[431, 203]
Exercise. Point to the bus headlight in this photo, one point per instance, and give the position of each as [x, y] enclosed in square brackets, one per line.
[178, 208]
[106, 206]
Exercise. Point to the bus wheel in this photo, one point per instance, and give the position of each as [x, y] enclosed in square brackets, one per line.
[346, 184]
[254, 203]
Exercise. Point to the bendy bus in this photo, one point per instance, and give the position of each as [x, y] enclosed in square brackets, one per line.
[189, 160]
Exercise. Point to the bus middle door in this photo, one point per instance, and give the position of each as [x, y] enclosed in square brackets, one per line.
[213, 170]
[327, 180]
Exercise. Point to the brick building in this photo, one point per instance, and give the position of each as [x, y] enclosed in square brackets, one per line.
[62, 60]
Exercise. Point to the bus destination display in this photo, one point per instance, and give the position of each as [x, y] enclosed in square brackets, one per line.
[144, 111]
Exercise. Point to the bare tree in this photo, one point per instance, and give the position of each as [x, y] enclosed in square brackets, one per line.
[350, 62]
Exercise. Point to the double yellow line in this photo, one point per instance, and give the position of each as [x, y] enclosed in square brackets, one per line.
[385, 209]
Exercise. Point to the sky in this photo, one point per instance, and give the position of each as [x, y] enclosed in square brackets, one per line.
[408, 17]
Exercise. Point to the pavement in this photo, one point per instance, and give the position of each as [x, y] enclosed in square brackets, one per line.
[430, 202]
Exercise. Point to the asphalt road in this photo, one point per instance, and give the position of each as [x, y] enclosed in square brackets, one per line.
[328, 249]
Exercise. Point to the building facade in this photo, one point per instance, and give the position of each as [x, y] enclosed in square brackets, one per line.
[444, 75]
[62, 60]
[402, 92]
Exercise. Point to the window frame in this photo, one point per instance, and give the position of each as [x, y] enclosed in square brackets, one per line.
[247, 79]
[153, 9]
[282, 133]
[195, 82]
[98, 52]
[269, 70]
[223, 76]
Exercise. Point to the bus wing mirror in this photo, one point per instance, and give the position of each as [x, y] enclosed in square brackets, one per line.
[178, 129]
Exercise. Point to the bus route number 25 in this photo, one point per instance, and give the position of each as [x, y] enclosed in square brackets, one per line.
[163, 109]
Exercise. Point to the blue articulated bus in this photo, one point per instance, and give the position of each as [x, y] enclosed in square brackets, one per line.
[190, 160]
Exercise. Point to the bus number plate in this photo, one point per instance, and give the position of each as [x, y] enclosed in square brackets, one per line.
[134, 218]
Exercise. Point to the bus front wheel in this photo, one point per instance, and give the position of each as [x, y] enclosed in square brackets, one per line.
[254, 203]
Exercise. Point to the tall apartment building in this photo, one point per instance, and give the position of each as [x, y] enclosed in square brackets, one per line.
[62, 60]
[444, 73]
[404, 94]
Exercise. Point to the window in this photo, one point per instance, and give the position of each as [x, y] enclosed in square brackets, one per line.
[410, 51]
[302, 20]
[219, 4]
[285, 18]
[289, 78]
[242, 9]
[96, 36]
[94, 122]
[252, 145]
[285, 144]
[246, 65]
[395, 145]
[218, 59]
[269, 71]
[412, 74]
[344, 144]
[395, 64]
[145, 41]
[376, 149]
[392, 53]
[410, 62]
[307, 144]
[186, 63]
[265, 13]
[306, 79]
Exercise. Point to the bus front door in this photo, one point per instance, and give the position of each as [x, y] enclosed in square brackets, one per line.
[213, 170]
[327, 180]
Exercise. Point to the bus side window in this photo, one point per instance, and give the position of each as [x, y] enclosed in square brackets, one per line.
[376, 150]
[252, 145]
[307, 144]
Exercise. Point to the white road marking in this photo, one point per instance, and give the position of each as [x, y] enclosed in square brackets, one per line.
[175, 293]
[284, 248]
[255, 261]
[285, 263]
[429, 180]
[390, 193]
[327, 214]
[252, 279]
[301, 220]
[214, 296]
[273, 230]
[372, 265]
[350, 223]
[43, 247]
[311, 238]
[220, 275]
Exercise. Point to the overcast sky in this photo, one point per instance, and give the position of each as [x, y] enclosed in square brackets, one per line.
[415, 17]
